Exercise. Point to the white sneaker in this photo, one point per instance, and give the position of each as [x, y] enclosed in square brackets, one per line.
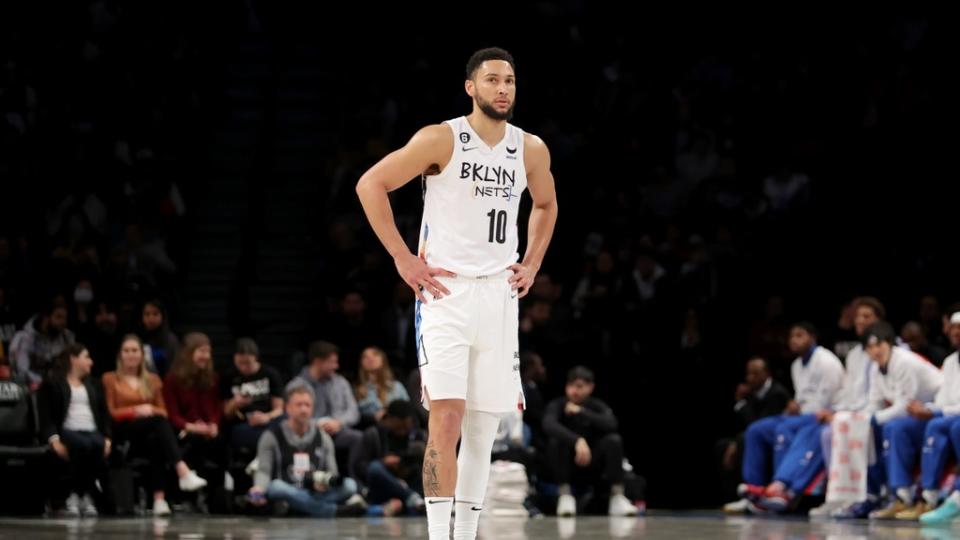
[161, 508]
[87, 508]
[825, 510]
[736, 507]
[72, 506]
[621, 506]
[192, 482]
[356, 500]
[566, 506]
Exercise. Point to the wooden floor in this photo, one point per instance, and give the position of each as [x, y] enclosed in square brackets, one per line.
[671, 525]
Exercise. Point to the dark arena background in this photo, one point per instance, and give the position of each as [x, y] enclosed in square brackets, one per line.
[721, 175]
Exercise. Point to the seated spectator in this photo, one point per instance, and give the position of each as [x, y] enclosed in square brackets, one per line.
[191, 394]
[160, 344]
[335, 409]
[759, 396]
[74, 419]
[101, 336]
[583, 441]
[252, 396]
[135, 401]
[390, 459]
[297, 466]
[44, 338]
[376, 387]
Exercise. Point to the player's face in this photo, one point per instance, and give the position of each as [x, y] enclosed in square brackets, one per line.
[494, 89]
[879, 352]
[800, 340]
[954, 334]
[864, 317]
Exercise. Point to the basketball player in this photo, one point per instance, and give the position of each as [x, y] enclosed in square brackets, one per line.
[466, 276]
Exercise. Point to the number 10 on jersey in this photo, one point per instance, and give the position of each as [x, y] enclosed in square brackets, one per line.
[498, 226]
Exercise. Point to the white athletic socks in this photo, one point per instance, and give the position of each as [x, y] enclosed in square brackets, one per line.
[438, 517]
[905, 495]
[466, 519]
[931, 496]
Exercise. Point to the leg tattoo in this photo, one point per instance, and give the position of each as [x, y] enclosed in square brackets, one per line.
[431, 471]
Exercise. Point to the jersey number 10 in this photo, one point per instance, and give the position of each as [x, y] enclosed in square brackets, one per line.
[498, 226]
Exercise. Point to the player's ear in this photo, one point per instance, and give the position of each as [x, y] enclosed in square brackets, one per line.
[469, 87]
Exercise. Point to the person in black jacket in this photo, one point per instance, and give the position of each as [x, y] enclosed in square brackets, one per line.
[74, 420]
[757, 397]
[390, 458]
[583, 442]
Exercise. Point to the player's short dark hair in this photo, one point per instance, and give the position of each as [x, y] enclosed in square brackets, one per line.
[806, 326]
[490, 53]
[872, 303]
[321, 349]
[401, 409]
[877, 332]
[580, 373]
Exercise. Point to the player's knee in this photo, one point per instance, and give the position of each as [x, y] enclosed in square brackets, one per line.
[445, 425]
[955, 430]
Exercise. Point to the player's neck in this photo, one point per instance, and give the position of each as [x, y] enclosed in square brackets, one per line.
[490, 130]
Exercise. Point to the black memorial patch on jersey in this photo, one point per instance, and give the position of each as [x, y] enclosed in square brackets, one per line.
[464, 137]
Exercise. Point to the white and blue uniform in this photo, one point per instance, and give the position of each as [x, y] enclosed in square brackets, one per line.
[907, 377]
[942, 435]
[817, 379]
[468, 341]
[809, 453]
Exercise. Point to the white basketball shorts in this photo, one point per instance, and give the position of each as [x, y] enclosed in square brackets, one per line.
[468, 344]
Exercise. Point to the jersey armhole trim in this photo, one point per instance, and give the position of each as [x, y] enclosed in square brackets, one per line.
[453, 153]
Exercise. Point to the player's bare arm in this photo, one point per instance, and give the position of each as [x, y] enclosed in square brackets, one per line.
[428, 150]
[543, 216]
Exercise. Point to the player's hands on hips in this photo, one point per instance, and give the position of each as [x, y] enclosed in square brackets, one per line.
[417, 274]
[522, 278]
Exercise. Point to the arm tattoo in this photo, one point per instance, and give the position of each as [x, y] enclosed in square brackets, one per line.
[431, 473]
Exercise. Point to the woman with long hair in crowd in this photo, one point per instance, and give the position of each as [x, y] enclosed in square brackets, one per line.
[135, 401]
[376, 386]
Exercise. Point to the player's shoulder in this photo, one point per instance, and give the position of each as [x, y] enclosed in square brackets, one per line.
[535, 151]
[533, 142]
[435, 133]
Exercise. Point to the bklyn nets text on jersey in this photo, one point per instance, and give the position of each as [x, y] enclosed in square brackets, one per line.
[489, 181]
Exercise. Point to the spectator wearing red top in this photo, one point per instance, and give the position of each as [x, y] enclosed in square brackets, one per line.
[191, 393]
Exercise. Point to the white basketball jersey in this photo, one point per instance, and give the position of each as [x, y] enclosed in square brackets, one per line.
[470, 208]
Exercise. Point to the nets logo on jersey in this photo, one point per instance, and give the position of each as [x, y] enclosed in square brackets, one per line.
[497, 182]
